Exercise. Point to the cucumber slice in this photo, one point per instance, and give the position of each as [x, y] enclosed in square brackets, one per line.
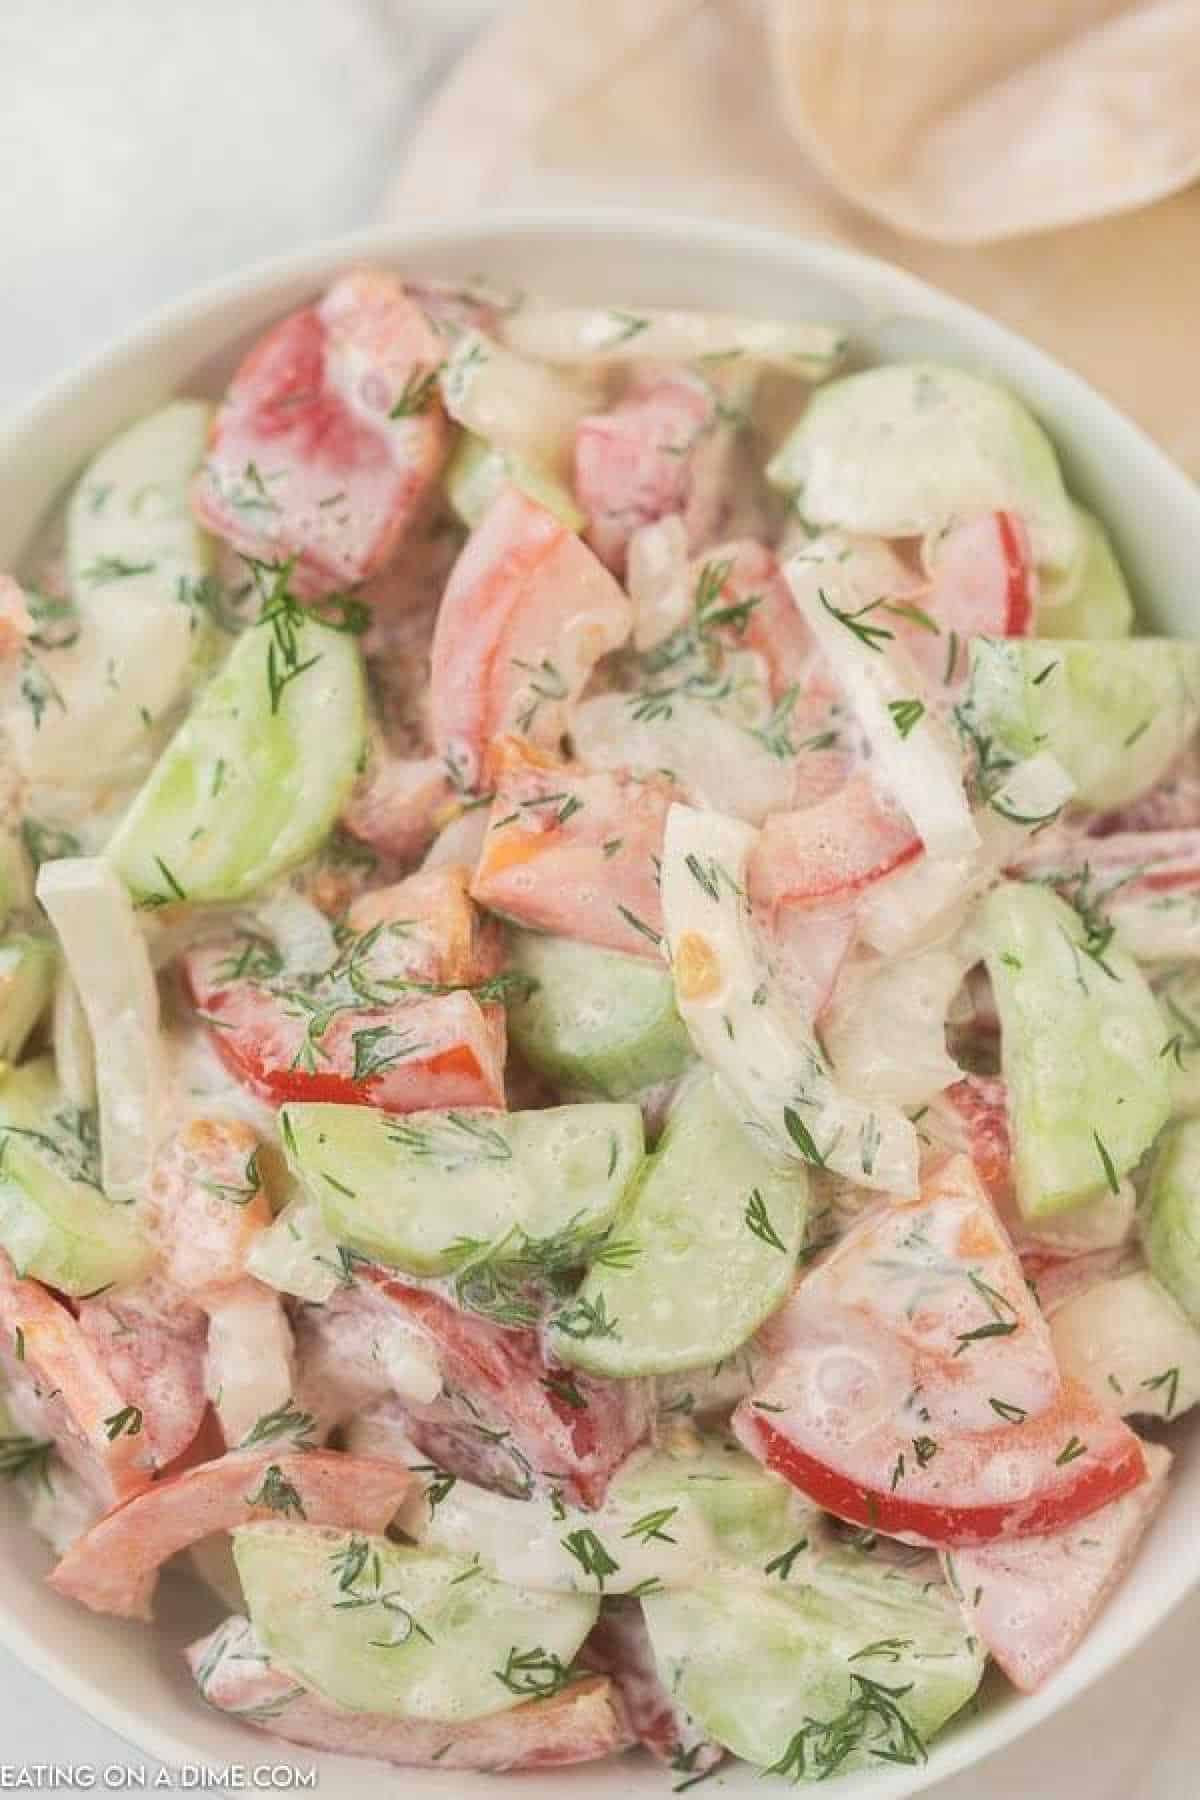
[1081, 1037]
[136, 560]
[709, 1240]
[1114, 714]
[414, 1192]
[296, 1255]
[753, 1516]
[819, 1676]
[1177, 989]
[28, 963]
[478, 470]
[598, 1021]
[255, 777]
[902, 450]
[620, 1548]
[1171, 1216]
[381, 1628]
[55, 1222]
[1092, 600]
[1132, 1344]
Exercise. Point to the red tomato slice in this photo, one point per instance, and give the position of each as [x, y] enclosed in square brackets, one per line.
[830, 851]
[762, 614]
[395, 807]
[451, 1048]
[358, 1034]
[1123, 865]
[113, 1567]
[619, 1646]
[982, 582]
[574, 851]
[210, 1202]
[1032, 1601]
[16, 624]
[526, 615]
[980, 1103]
[54, 1366]
[151, 1341]
[504, 1377]
[918, 1392]
[308, 458]
[643, 460]
[581, 1723]
[805, 949]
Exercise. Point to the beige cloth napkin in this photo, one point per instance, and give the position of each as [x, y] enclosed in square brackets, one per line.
[1031, 156]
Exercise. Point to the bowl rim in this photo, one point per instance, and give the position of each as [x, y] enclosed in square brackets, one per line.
[900, 294]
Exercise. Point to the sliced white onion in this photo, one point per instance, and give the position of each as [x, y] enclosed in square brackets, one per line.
[110, 965]
[590, 334]
[885, 1025]
[517, 405]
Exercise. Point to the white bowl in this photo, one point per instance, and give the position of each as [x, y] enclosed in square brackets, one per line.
[131, 1678]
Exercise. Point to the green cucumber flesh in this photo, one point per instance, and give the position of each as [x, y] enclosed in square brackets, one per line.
[379, 1627]
[28, 965]
[1080, 1039]
[254, 778]
[903, 450]
[1170, 1221]
[1092, 599]
[478, 471]
[709, 1238]
[598, 1021]
[415, 1192]
[827, 1675]
[1115, 713]
[55, 1222]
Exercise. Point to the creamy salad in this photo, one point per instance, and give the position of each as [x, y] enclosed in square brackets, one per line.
[600, 1016]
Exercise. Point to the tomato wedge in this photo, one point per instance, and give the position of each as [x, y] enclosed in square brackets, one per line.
[1032, 1601]
[582, 1722]
[573, 1430]
[331, 436]
[368, 1031]
[830, 851]
[646, 458]
[58, 1375]
[918, 1393]
[151, 1341]
[210, 1202]
[980, 582]
[619, 1646]
[396, 806]
[574, 851]
[114, 1566]
[980, 1105]
[527, 613]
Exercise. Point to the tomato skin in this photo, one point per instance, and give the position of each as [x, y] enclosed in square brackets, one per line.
[981, 1103]
[257, 1040]
[635, 463]
[1072, 1497]
[305, 462]
[527, 613]
[574, 851]
[506, 1372]
[831, 851]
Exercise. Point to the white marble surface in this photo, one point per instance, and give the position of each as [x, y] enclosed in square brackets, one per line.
[147, 145]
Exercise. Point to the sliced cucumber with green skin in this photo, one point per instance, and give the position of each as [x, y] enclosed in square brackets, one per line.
[55, 1222]
[830, 1677]
[1092, 599]
[254, 778]
[754, 1516]
[1080, 1043]
[709, 1239]
[381, 1628]
[478, 470]
[1114, 714]
[413, 1191]
[619, 1548]
[28, 964]
[1171, 1216]
[1177, 990]
[136, 559]
[598, 1021]
[903, 450]
[297, 1255]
